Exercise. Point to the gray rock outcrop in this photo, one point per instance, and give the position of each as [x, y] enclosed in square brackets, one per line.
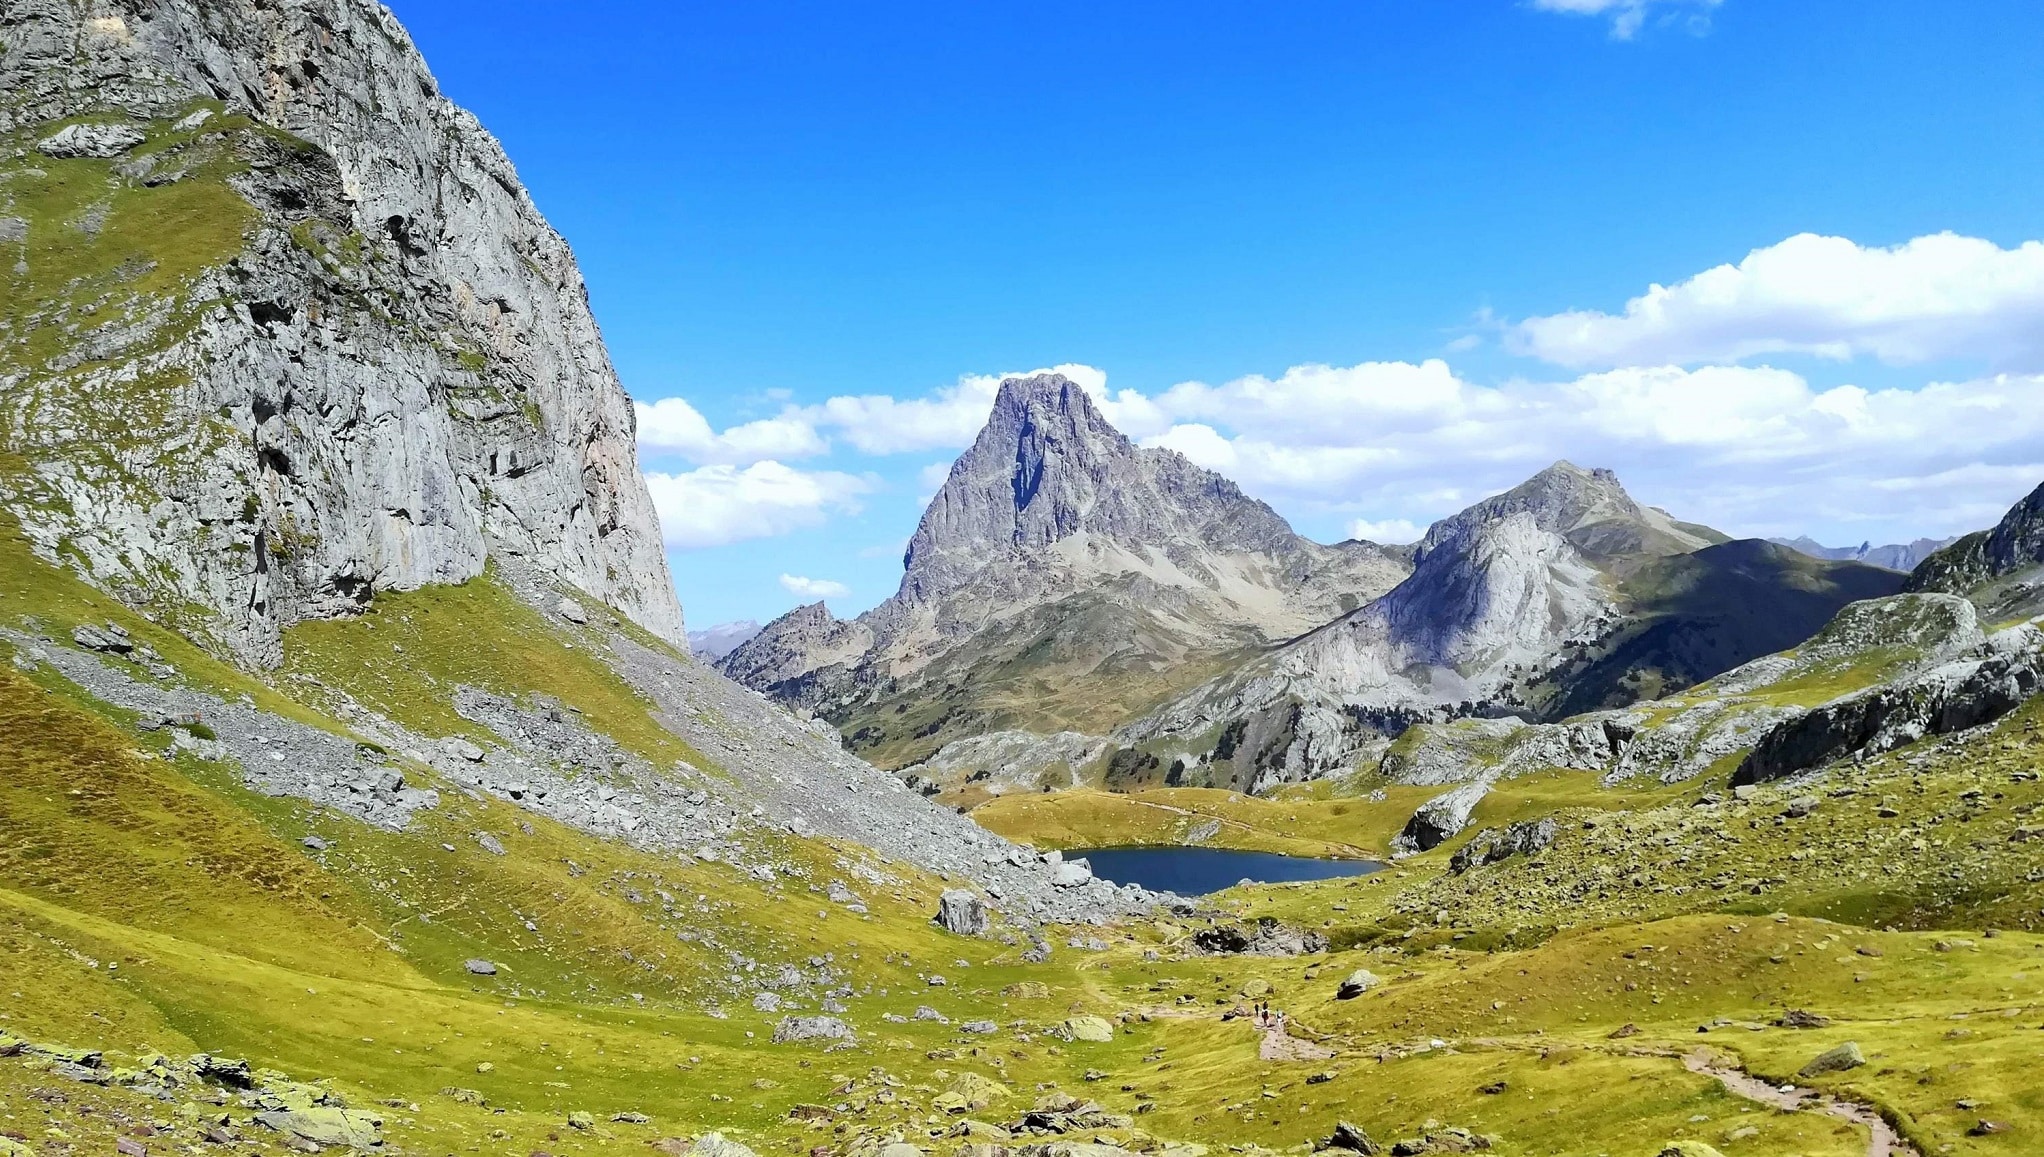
[962, 912]
[1952, 697]
[395, 378]
[1441, 818]
[1490, 846]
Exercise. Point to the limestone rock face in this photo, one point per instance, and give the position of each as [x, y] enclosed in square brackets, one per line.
[396, 376]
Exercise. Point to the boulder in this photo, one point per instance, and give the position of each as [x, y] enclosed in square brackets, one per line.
[460, 748]
[327, 1127]
[1841, 1059]
[962, 912]
[90, 141]
[718, 1145]
[1071, 874]
[571, 610]
[481, 967]
[1689, 1149]
[1351, 1138]
[1088, 1028]
[810, 1028]
[1490, 846]
[1357, 983]
[1442, 817]
[109, 642]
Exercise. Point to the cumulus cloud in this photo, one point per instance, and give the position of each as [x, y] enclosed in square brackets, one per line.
[1936, 297]
[720, 504]
[1629, 16]
[947, 419]
[810, 588]
[1390, 530]
[671, 425]
[1759, 450]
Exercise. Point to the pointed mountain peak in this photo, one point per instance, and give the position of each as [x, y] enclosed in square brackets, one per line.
[1042, 407]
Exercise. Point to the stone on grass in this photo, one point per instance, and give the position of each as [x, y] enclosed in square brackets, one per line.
[1352, 1139]
[962, 912]
[571, 610]
[718, 1145]
[1089, 1028]
[808, 1028]
[1689, 1149]
[1841, 1059]
[90, 141]
[1357, 983]
[481, 967]
[327, 1127]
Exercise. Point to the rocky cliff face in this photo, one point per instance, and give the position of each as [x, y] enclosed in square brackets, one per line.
[319, 342]
[1059, 559]
[1997, 568]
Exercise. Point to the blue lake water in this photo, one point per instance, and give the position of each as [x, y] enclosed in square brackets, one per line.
[1198, 871]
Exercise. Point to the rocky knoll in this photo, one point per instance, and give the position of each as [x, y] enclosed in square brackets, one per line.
[1952, 697]
[1996, 568]
[1062, 575]
[325, 344]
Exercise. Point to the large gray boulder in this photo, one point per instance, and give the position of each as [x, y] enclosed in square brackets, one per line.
[962, 912]
[1441, 818]
[1490, 846]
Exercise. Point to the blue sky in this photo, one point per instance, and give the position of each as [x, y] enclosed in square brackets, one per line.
[776, 204]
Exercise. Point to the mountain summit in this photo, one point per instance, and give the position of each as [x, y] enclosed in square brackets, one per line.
[1061, 576]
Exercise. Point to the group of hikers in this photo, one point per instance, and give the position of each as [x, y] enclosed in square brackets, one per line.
[1268, 1017]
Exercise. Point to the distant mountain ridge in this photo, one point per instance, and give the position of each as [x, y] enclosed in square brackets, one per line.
[714, 643]
[1902, 557]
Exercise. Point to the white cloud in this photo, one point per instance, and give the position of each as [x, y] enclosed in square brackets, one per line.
[810, 588]
[878, 424]
[1390, 530]
[1628, 16]
[719, 504]
[1939, 296]
[672, 425]
[948, 419]
[1756, 450]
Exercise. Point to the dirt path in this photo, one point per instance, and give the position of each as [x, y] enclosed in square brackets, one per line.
[1279, 1045]
[1883, 1140]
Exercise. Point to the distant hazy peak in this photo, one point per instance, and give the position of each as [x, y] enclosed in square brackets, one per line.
[713, 643]
[1902, 556]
